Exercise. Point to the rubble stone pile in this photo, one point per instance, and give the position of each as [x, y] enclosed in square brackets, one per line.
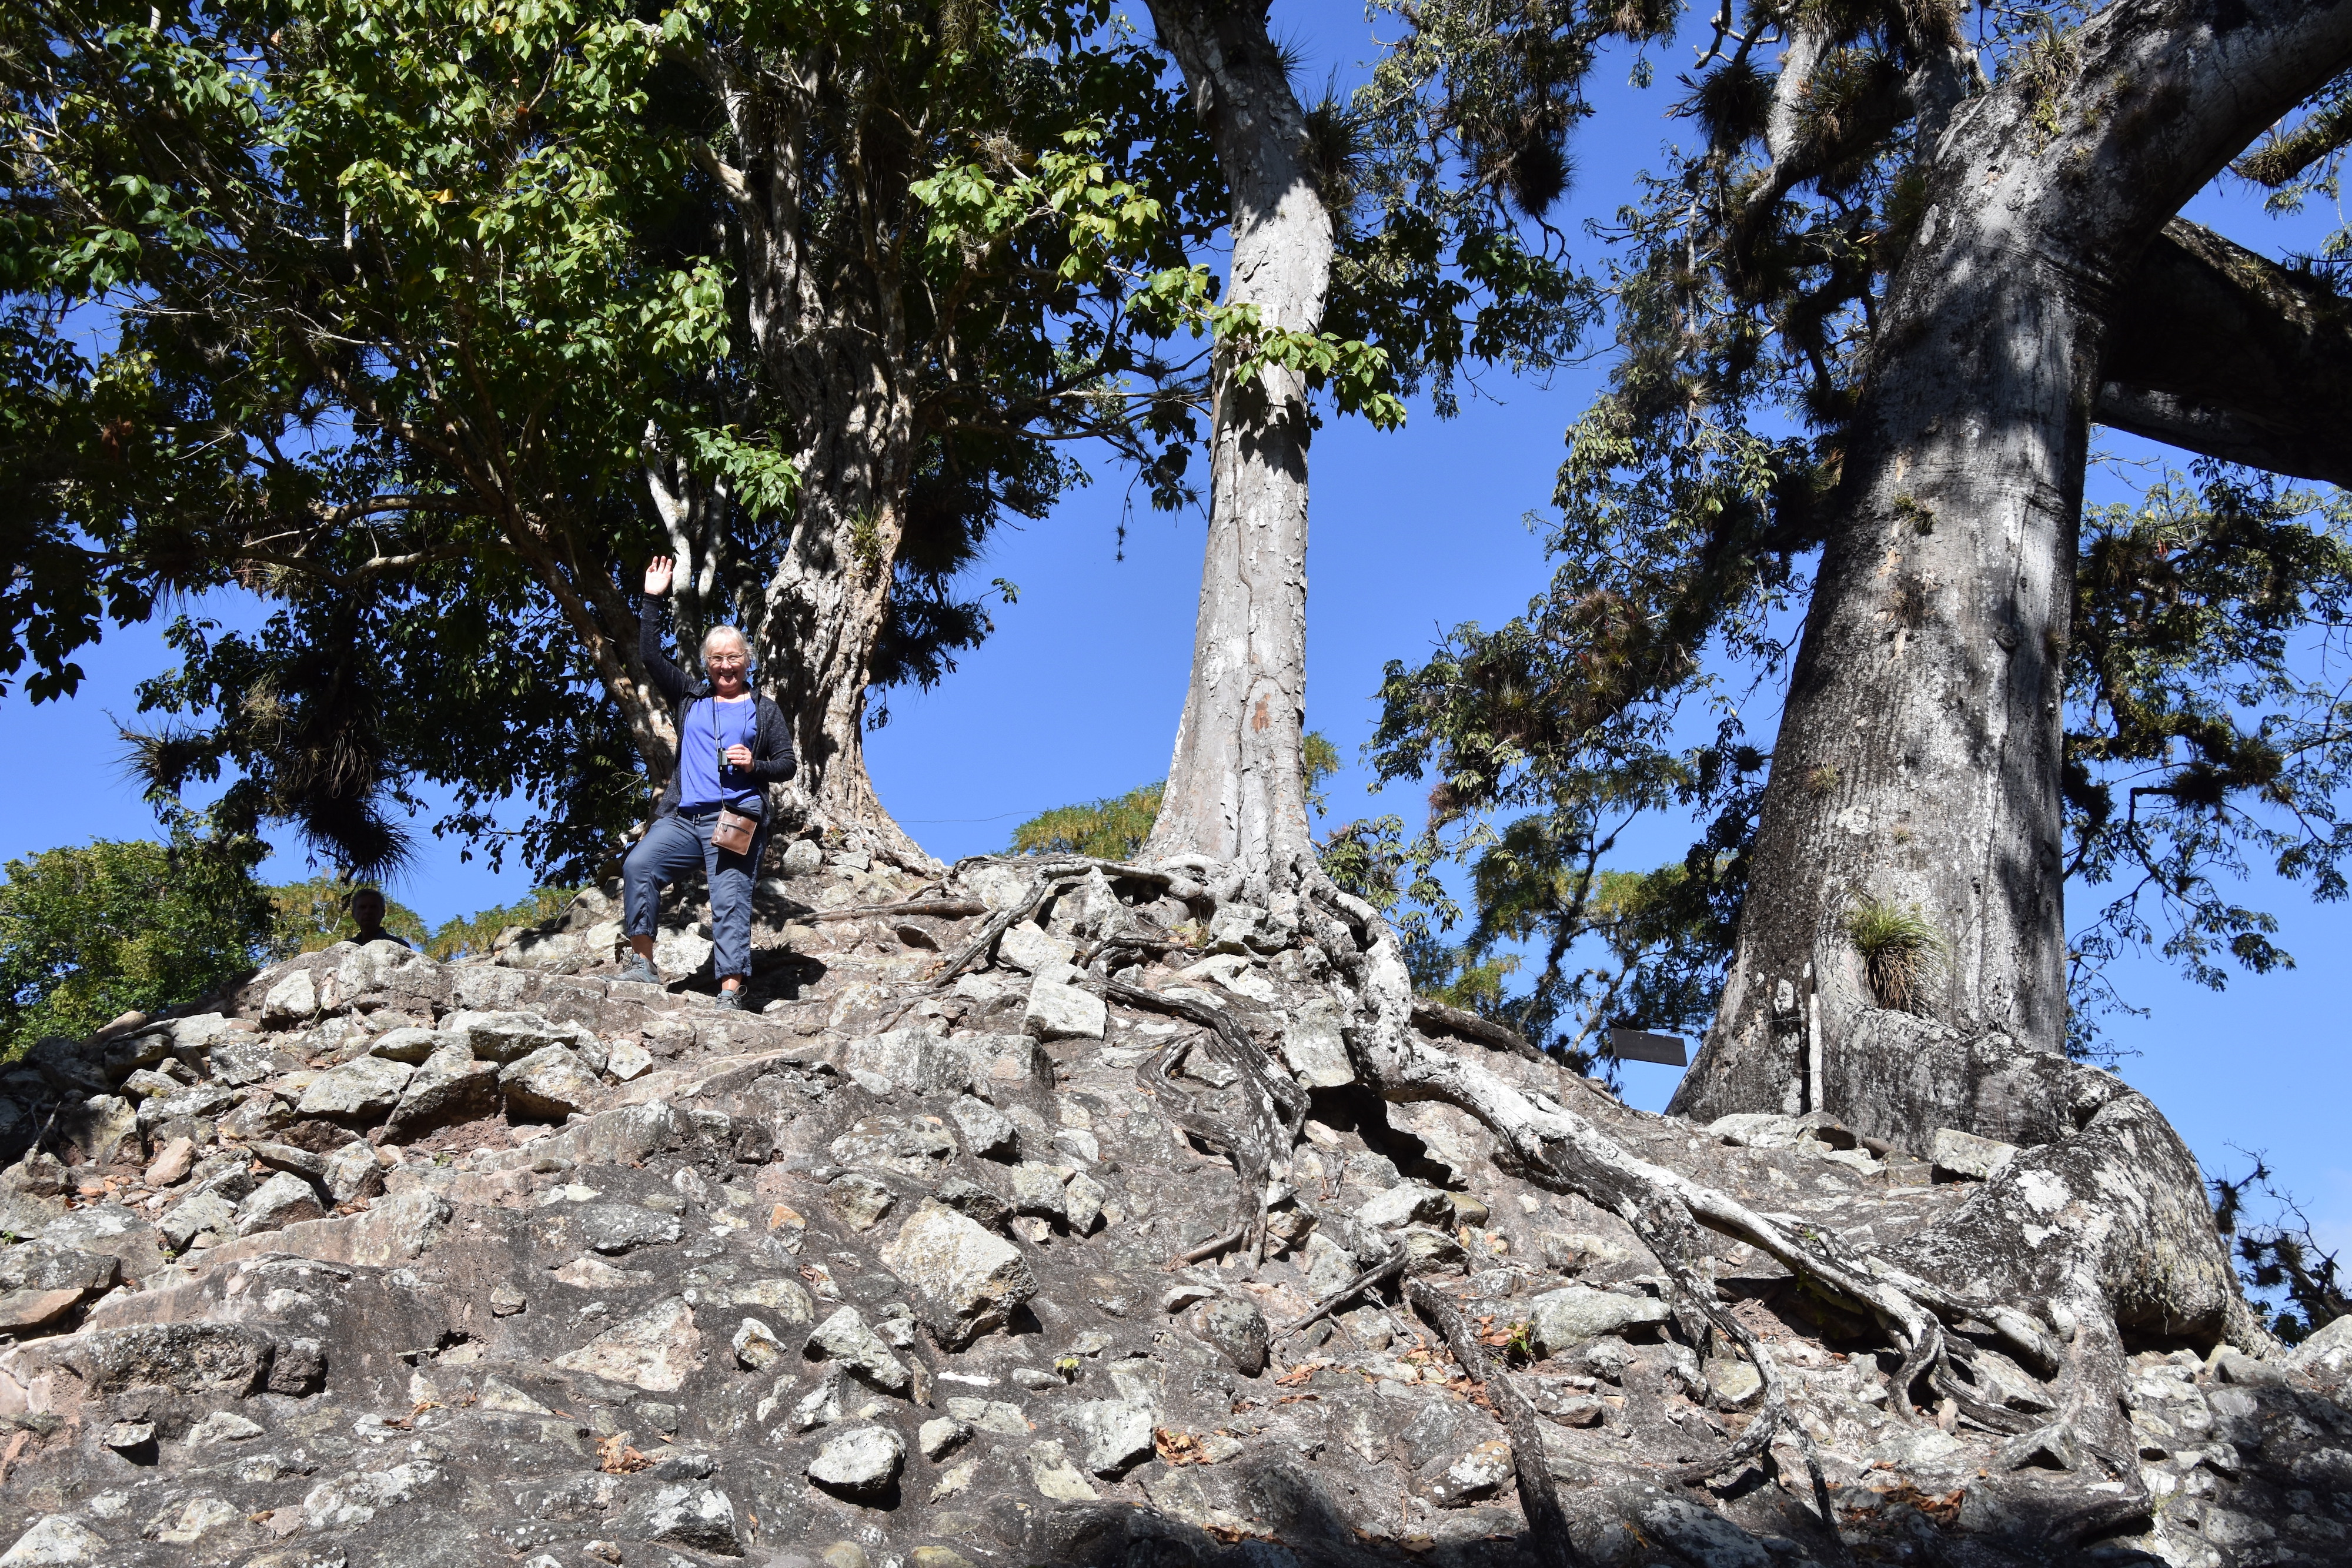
[928, 1261]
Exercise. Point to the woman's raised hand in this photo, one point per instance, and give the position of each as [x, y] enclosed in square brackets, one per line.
[657, 572]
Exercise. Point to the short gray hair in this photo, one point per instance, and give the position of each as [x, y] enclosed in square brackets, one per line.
[718, 632]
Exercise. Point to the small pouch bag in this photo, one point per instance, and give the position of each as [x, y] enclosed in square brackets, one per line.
[733, 830]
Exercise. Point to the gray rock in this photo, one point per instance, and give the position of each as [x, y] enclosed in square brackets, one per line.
[505, 1036]
[1702, 1535]
[290, 1001]
[450, 1087]
[40, 1266]
[2328, 1349]
[1735, 1385]
[229, 1360]
[550, 1081]
[615, 1228]
[204, 1100]
[1083, 1199]
[1477, 1473]
[1054, 1477]
[991, 1415]
[1038, 1189]
[1407, 1202]
[756, 1346]
[2054, 1446]
[785, 1297]
[988, 1133]
[238, 1060]
[1029, 948]
[966, 1280]
[57, 1538]
[1312, 1045]
[1236, 1330]
[224, 1427]
[1426, 1249]
[654, 1349]
[225, 1173]
[700, 1518]
[804, 857]
[410, 1045]
[282, 1200]
[111, 1229]
[862, 1462]
[909, 1146]
[1561, 1318]
[352, 1172]
[257, 1114]
[972, 1198]
[1058, 1012]
[844, 1338]
[1118, 1434]
[681, 949]
[941, 1437]
[193, 1215]
[858, 1200]
[359, 1092]
[1760, 1130]
[911, 1059]
[287, 1157]
[1959, 1154]
[821, 1406]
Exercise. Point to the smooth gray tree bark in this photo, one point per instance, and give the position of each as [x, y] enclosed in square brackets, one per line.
[1235, 792]
[1917, 763]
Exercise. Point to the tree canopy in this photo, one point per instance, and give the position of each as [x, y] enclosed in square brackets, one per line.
[89, 933]
[1748, 289]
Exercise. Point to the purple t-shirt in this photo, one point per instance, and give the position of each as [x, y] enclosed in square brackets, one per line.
[711, 723]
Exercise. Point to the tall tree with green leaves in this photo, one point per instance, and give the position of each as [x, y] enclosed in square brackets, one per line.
[432, 320]
[91, 932]
[1367, 266]
[1830, 345]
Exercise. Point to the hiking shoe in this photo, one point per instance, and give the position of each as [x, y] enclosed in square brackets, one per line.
[729, 1001]
[640, 970]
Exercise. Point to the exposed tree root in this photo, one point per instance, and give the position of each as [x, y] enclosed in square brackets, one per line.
[1391, 1264]
[2101, 1229]
[938, 908]
[2108, 1272]
[1276, 1107]
[1047, 879]
[1539, 1494]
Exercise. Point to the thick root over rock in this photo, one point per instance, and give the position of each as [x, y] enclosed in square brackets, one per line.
[2102, 1232]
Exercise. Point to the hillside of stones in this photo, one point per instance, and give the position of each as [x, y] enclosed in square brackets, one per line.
[379, 1262]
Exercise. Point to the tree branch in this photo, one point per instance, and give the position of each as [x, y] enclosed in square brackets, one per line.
[2227, 353]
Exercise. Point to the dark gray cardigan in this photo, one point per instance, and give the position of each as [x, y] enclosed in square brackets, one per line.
[771, 733]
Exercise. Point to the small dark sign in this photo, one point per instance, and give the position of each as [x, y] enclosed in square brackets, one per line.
[1633, 1045]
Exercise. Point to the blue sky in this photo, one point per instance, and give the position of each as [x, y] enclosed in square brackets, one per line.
[1076, 695]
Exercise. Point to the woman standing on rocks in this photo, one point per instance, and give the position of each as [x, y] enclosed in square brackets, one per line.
[732, 743]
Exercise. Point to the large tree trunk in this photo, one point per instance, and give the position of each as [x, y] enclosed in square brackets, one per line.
[834, 350]
[1235, 792]
[1917, 764]
[823, 608]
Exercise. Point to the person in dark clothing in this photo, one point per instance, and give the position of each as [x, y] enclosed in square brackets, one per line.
[732, 743]
[367, 912]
